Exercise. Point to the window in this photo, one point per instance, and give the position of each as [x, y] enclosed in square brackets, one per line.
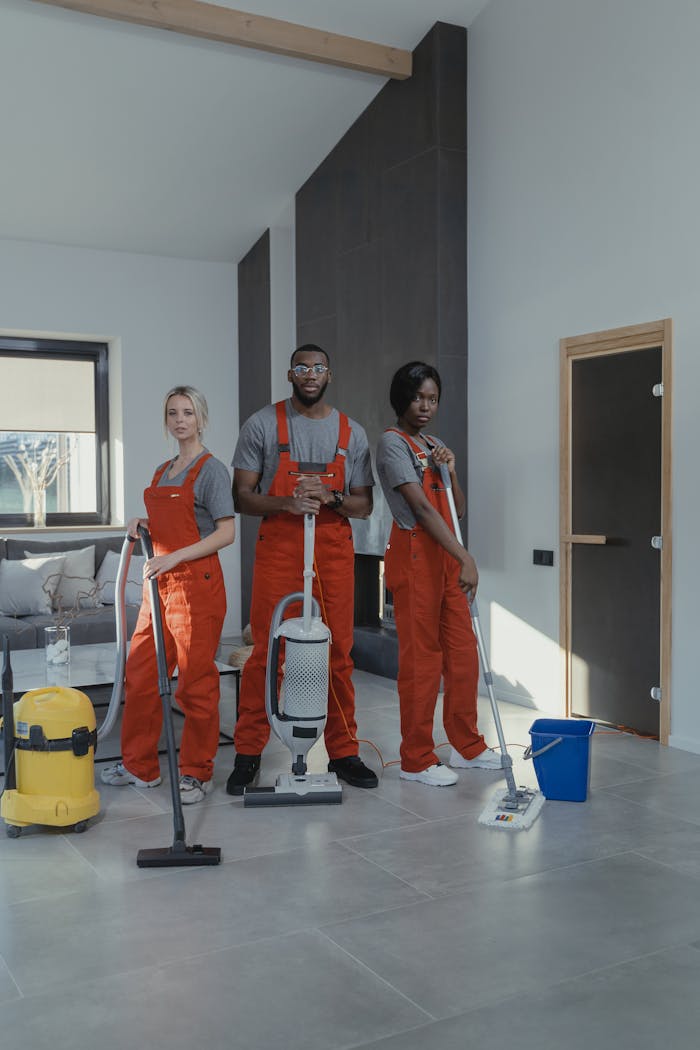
[54, 441]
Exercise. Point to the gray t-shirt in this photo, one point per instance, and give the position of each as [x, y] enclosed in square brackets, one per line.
[397, 465]
[212, 492]
[310, 441]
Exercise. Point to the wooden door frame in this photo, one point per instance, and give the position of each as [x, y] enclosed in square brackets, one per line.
[596, 344]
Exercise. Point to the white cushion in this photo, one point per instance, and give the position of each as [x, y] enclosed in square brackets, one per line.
[77, 588]
[107, 578]
[27, 585]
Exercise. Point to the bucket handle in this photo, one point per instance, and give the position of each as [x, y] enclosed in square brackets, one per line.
[529, 753]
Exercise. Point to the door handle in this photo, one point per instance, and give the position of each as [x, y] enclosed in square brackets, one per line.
[586, 538]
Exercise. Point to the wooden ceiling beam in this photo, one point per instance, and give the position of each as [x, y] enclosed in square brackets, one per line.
[194, 18]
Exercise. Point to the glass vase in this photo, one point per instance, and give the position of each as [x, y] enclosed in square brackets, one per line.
[39, 508]
[57, 643]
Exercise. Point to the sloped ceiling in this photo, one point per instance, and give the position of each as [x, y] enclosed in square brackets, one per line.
[126, 138]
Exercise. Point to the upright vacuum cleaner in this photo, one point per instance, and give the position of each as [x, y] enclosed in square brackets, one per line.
[297, 709]
[179, 854]
[519, 807]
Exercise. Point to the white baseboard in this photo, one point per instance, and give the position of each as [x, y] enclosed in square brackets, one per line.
[685, 743]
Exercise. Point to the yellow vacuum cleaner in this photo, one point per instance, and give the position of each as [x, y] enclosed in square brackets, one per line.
[49, 739]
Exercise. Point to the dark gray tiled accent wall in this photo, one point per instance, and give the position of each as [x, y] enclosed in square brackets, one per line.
[380, 270]
[381, 248]
[254, 381]
[381, 261]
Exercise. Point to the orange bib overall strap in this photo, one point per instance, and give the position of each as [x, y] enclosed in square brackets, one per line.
[431, 480]
[279, 565]
[171, 518]
[289, 471]
[193, 604]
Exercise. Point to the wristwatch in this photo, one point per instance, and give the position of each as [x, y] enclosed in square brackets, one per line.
[339, 498]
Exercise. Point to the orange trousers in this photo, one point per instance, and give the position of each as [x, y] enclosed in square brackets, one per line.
[436, 639]
[279, 564]
[193, 604]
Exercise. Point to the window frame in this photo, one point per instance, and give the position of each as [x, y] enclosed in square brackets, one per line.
[72, 350]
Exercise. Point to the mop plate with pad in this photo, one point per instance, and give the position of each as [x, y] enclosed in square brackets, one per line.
[297, 709]
[517, 808]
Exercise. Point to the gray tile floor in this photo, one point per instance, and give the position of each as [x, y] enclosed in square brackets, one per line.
[392, 921]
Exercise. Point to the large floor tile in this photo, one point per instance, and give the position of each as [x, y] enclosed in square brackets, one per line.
[8, 987]
[298, 992]
[676, 795]
[450, 855]
[527, 935]
[646, 1004]
[650, 755]
[149, 922]
[41, 863]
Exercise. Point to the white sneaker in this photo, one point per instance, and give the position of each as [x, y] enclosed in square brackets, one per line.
[119, 776]
[435, 776]
[193, 790]
[488, 759]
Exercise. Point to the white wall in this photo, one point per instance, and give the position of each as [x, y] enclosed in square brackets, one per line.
[583, 161]
[168, 321]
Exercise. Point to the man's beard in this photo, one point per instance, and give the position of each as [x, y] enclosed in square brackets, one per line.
[307, 400]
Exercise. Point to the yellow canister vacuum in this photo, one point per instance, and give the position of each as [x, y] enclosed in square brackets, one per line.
[49, 738]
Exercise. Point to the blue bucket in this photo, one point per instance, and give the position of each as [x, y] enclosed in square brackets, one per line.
[560, 752]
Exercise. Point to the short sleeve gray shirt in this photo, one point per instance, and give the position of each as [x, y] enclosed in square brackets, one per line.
[310, 441]
[212, 492]
[397, 465]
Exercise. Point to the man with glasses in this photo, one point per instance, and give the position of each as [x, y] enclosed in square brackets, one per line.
[297, 457]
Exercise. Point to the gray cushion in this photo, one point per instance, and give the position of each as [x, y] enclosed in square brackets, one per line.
[16, 548]
[76, 588]
[21, 634]
[27, 586]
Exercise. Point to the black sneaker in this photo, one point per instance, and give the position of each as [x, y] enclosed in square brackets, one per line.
[353, 771]
[245, 770]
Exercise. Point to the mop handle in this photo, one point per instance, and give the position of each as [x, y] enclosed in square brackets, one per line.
[309, 538]
[476, 623]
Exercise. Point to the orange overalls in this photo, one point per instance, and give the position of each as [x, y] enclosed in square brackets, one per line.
[193, 604]
[435, 634]
[279, 566]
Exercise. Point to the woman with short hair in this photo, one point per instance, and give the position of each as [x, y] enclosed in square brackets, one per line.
[431, 577]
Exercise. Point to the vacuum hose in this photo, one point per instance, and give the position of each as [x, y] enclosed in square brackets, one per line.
[120, 661]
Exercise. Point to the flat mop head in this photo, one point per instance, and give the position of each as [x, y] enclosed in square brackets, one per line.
[513, 810]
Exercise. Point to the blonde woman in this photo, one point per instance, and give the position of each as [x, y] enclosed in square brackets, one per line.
[190, 518]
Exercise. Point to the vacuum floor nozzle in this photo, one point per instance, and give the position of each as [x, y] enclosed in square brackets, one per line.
[179, 856]
[312, 789]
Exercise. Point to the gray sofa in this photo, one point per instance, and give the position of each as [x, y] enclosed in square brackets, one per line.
[97, 624]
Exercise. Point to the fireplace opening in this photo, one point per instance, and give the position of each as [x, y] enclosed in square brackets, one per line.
[375, 643]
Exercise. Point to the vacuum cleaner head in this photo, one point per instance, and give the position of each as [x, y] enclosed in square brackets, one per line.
[179, 855]
[289, 790]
